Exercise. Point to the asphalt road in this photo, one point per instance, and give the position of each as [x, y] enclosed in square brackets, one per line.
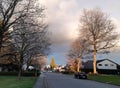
[53, 80]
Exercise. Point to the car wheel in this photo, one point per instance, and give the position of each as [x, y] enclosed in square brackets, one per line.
[84, 77]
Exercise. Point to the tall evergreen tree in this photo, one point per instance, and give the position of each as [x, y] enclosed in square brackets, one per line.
[52, 63]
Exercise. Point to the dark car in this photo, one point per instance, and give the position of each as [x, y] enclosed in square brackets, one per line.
[80, 75]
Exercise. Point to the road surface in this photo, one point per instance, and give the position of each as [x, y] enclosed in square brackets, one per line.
[53, 80]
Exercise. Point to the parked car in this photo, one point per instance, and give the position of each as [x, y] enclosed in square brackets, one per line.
[80, 75]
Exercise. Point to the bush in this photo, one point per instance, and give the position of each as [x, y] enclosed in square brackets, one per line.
[16, 74]
[8, 73]
[30, 74]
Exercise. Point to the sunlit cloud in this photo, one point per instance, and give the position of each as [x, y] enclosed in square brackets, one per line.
[62, 18]
[116, 22]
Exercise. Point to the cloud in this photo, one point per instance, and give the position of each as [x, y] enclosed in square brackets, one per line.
[116, 23]
[62, 18]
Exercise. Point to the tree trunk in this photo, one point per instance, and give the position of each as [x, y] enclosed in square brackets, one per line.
[94, 59]
[20, 66]
[20, 72]
[1, 37]
[78, 65]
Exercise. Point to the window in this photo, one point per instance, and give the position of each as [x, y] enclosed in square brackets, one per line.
[106, 64]
[111, 64]
[100, 64]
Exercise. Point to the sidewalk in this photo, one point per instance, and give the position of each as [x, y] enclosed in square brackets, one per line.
[40, 82]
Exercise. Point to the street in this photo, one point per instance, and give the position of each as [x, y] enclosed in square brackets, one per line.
[54, 80]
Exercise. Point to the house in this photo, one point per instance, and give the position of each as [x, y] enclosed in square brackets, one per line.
[88, 64]
[29, 68]
[59, 68]
[104, 66]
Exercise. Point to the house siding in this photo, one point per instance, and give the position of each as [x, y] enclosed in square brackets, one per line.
[106, 64]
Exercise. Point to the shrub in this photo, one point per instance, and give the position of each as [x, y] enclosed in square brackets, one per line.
[16, 73]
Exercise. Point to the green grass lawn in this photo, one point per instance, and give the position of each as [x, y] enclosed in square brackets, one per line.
[106, 79]
[13, 82]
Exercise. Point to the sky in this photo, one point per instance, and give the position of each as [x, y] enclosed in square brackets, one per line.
[63, 19]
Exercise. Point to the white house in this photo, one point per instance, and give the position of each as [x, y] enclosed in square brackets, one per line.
[106, 64]
[59, 68]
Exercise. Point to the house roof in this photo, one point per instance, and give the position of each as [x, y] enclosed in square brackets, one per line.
[89, 63]
[108, 60]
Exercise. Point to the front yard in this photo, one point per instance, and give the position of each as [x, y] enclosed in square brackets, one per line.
[13, 82]
[111, 79]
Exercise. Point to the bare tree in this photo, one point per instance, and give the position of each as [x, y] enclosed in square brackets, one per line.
[22, 20]
[40, 47]
[29, 36]
[29, 40]
[78, 49]
[8, 16]
[97, 28]
[13, 10]
[40, 61]
[72, 64]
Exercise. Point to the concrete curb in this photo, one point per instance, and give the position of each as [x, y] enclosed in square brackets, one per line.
[41, 82]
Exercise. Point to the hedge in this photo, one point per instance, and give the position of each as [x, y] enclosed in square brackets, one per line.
[16, 73]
